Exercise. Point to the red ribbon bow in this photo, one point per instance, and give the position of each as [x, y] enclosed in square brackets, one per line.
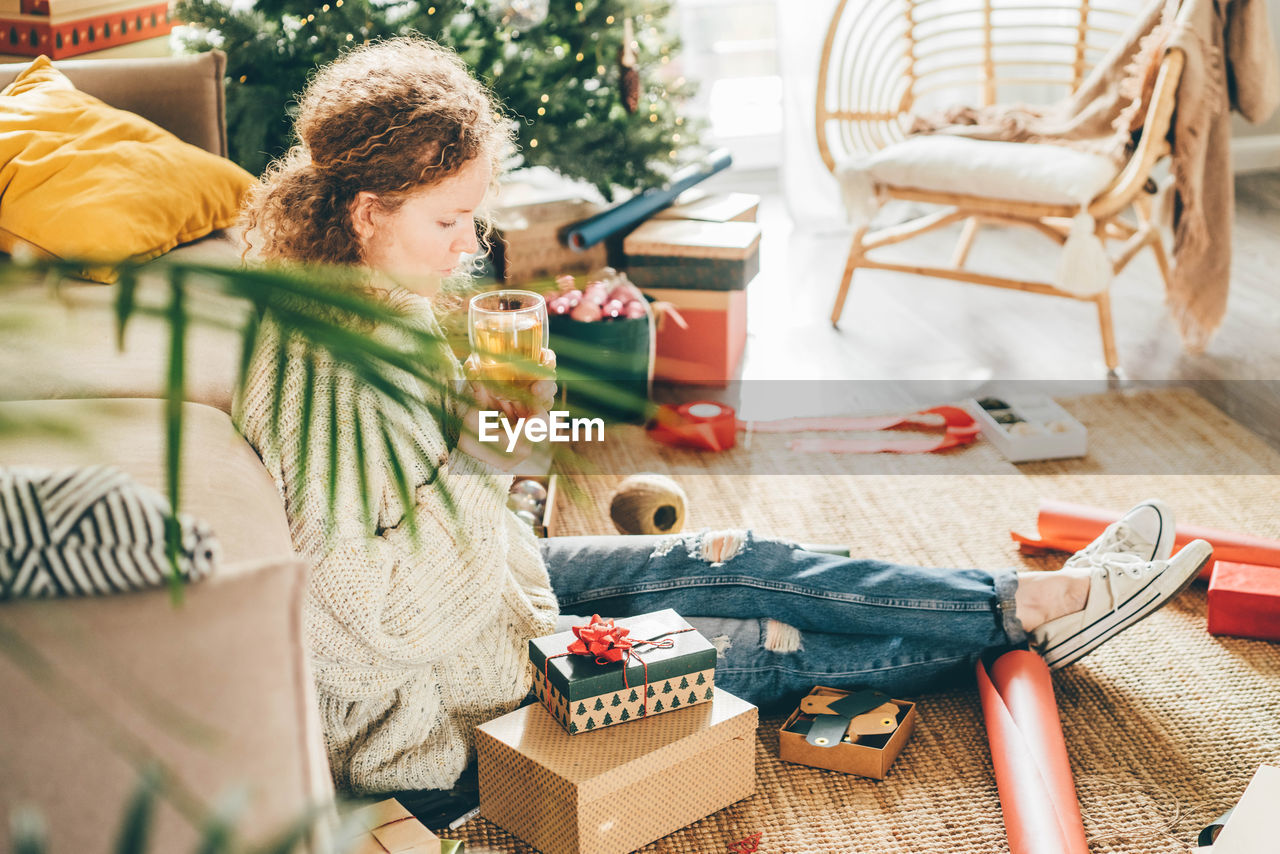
[603, 639]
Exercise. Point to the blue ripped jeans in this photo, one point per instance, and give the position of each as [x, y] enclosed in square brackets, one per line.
[784, 619]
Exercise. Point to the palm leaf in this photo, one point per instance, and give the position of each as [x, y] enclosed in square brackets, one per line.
[136, 828]
[175, 386]
[314, 311]
[288, 840]
[398, 477]
[248, 344]
[366, 500]
[218, 832]
[334, 468]
[277, 391]
[28, 832]
[308, 405]
[125, 303]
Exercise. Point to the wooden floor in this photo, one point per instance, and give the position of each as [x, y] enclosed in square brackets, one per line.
[907, 338]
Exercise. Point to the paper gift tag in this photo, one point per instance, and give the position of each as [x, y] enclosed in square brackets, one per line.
[848, 706]
[827, 730]
[881, 720]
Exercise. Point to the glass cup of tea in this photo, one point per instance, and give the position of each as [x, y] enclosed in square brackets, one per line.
[508, 332]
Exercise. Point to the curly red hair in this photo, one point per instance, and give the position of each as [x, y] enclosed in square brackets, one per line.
[389, 118]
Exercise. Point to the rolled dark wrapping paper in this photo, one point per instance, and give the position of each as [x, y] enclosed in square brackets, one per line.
[1033, 774]
[608, 222]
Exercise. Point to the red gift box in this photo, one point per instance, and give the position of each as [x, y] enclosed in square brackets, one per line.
[1244, 600]
[708, 352]
[59, 36]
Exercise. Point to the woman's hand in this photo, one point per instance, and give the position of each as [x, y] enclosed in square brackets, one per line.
[515, 400]
[532, 402]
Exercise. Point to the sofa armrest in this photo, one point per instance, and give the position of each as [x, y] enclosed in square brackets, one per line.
[182, 94]
[219, 689]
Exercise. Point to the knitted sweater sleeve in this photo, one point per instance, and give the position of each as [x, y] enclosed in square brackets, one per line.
[381, 595]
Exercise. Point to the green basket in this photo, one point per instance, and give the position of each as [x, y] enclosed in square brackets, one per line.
[605, 367]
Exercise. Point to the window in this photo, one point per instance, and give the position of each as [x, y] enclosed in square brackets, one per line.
[731, 51]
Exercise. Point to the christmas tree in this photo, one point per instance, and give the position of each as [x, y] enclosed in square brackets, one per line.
[591, 84]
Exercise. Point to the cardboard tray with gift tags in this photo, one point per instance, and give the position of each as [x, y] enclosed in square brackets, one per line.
[865, 744]
[1029, 427]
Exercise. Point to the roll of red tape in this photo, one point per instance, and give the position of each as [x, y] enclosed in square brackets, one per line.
[702, 424]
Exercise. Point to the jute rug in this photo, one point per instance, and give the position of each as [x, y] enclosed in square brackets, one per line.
[1164, 725]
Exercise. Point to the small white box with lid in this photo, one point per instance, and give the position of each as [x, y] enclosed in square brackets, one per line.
[1029, 427]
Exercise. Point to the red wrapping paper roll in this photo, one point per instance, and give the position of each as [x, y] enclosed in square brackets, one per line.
[1033, 774]
[1070, 527]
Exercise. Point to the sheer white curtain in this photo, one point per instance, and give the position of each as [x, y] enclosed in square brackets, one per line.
[730, 51]
[810, 192]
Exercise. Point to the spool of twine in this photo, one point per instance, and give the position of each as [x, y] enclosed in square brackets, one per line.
[648, 504]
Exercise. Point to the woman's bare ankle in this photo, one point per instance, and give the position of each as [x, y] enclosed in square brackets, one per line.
[1046, 596]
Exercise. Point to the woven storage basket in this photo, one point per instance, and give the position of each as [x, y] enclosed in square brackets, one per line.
[528, 241]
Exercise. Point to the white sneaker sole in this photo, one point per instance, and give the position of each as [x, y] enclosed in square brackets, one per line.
[1144, 602]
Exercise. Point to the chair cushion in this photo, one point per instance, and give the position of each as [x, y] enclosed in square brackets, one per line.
[1026, 172]
[85, 181]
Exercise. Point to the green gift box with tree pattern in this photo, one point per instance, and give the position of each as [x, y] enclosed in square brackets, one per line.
[609, 672]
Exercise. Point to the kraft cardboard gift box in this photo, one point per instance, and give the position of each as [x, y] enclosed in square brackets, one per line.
[388, 828]
[871, 756]
[617, 789]
[529, 239]
[713, 207]
[708, 256]
[1244, 601]
[709, 351]
[584, 695]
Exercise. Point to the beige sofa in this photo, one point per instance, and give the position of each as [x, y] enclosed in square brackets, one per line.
[217, 688]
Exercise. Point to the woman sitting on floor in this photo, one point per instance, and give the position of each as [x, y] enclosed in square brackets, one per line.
[414, 641]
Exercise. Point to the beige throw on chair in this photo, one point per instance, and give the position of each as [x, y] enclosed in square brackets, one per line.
[1229, 62]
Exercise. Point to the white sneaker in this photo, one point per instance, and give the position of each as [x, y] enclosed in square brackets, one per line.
[1146, 531]
[1123, 589]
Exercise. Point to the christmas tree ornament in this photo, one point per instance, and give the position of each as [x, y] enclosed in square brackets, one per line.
[648, 504]
[527, 486]
[518, 501]
[521, 14]
[587, 312]
[629, 63]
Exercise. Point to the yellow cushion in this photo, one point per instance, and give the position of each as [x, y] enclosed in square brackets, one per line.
[82, 180]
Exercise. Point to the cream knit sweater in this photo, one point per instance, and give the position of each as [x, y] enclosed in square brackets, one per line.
[412, 643]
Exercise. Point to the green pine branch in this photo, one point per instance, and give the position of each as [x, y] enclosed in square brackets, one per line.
[566, 66]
